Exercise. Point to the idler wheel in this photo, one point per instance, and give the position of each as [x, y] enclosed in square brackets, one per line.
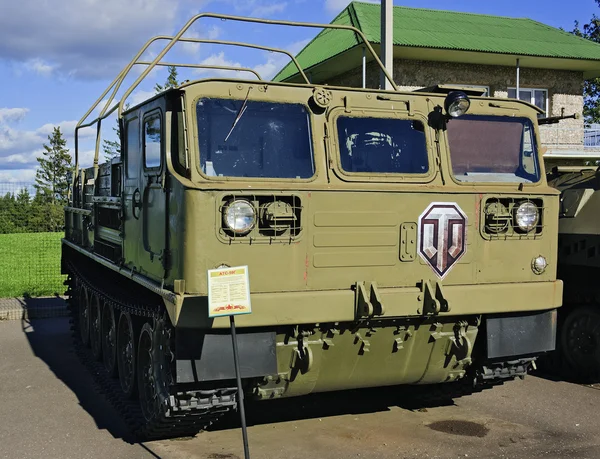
[95, 326]
[126, 345]
[580, 340]
[109, 339]
[154, 364]
[83, 303]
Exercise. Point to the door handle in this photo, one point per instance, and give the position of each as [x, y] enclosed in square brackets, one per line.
[136, 203]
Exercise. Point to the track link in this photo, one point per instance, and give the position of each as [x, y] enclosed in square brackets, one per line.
[485, 378]
[183, 413]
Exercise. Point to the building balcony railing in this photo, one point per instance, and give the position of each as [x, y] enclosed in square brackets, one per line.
[558, 138]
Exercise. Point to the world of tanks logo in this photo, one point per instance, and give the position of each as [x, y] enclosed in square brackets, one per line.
[442, 236]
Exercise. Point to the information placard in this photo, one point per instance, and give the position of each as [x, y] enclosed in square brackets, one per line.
[228, 292]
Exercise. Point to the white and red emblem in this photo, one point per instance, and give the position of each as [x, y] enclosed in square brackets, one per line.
[442, 236]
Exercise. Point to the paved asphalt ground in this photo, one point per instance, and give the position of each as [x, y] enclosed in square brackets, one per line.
[49, 410]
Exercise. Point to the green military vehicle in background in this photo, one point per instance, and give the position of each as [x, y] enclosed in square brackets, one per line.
[391, 238]
[578, 340]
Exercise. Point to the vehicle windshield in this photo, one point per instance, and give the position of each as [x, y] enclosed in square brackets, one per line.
[244, 138]
[382, 145]
[493, 149]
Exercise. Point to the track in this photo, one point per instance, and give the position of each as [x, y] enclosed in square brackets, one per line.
[162, 411]
[156, 408]
[487, 377]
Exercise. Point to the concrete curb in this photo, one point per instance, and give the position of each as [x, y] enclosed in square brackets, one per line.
[32, 308]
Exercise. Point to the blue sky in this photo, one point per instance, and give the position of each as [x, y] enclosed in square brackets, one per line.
[57, 56]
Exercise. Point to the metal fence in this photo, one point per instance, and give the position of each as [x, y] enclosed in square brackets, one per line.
[575, 138]
[29, 247]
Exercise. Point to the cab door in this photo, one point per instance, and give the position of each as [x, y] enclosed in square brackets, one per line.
[144, 191]
[154, 195]
[132, 186]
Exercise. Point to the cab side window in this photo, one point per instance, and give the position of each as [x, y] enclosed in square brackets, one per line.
[152, 141]
[132, 160]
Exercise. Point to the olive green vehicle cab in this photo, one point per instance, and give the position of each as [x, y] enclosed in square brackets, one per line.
[390, 237]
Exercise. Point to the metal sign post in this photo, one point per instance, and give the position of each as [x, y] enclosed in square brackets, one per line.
[229, 295]
[236, 361]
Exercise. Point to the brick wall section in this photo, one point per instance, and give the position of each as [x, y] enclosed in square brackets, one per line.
[565, 89]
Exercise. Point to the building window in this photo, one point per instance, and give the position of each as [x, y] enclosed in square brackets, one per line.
[537, 97]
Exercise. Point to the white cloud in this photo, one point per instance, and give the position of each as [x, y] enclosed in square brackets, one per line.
[67, 128]
[20, 148]
[17, 175]
[268, 69]
[191, 48]
[86, 158]
[8, 115]
[137, 97]
[277, 61]
[39, 66]
[84, 38]
[268, 10]
[194, 48]
[336, 6]
[298, 46]
[256, 8]
[217, 59]
[15, 141]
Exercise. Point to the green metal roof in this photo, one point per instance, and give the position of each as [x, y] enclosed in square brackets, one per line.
[435, 29]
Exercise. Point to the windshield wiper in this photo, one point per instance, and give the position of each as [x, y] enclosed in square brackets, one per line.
[239, 115]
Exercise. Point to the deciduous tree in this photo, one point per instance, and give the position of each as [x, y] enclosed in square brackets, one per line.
[591, 88]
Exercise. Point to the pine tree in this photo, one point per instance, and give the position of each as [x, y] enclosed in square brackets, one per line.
[23, 209]
[112, 148]
[51, 184]
[591, 88]
[7, 214]
[171, 81]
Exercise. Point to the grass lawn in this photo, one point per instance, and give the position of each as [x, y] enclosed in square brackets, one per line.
[30, 264]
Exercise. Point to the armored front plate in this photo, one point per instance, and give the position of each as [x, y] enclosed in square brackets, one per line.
[521, 334]
[209, 357]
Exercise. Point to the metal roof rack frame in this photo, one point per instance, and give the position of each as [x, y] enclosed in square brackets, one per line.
[118, 81]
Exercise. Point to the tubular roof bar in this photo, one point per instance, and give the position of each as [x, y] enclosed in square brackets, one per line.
[169, 64]
[179, 36]
[206, 66]
[213, 42]
[117, 82]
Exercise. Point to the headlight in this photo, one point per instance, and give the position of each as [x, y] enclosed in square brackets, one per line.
[457, 103]
[527, 216]
[539, 265]
[239, 216]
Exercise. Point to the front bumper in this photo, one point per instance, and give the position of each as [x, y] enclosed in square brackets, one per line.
[330, 306]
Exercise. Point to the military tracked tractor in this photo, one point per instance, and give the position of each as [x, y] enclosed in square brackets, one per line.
[578, 347]
[391, 238]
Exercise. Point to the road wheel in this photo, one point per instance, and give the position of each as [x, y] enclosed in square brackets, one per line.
[96, 326]
[83, 303]
[126, 345]
[154, 365]
[109, 339]
[580, 342]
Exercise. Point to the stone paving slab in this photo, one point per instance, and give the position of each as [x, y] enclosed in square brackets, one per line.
[32, 308]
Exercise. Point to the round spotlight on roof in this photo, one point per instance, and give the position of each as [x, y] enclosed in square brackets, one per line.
[457, 104]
